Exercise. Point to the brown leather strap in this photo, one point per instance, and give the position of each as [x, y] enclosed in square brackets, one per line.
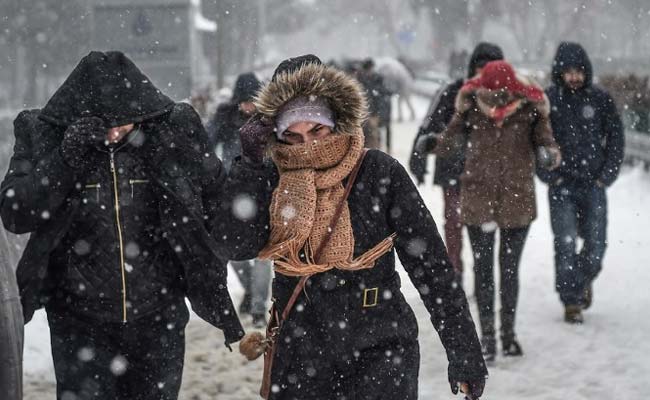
[335, 220]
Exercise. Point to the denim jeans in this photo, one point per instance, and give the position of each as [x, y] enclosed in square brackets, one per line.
[255, 277]
[577, 210]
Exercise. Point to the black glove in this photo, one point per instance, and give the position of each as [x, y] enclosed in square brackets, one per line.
[426, 143]
[254, 136]
[82, 135]
[475, 391]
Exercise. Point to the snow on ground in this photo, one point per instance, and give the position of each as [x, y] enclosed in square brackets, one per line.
[606, 358]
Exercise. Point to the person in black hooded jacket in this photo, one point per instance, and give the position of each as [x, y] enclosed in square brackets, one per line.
[115, 183]
[448, 169]
[230, 116]
[254, 275]
[350, 334]
[588, 129]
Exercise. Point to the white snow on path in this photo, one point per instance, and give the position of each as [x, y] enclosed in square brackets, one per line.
[606, 358]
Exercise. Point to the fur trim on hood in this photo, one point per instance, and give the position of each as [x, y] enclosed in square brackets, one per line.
[343, 94]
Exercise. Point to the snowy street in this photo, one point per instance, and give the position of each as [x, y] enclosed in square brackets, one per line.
[606, 358]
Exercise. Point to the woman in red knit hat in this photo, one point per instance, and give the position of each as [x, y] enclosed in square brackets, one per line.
[501, 121]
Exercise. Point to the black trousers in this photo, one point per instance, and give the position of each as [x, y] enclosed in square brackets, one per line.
[139, 360]
[510, 248]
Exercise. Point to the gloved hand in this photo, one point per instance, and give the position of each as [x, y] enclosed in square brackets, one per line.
[473, 389]
[254, 136]
[80, 137]
[426, 143]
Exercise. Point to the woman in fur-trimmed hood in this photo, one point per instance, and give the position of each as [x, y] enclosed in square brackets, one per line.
[350, 333]
[501, 121]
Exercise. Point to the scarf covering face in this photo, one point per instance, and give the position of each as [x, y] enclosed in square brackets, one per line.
[304, 203]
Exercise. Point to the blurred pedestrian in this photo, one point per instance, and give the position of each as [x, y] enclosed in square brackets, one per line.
[448, 169]
[376, 93]
[588, 129]
[114, 182]
[223, 130]
[254, 275]
[328, 216]
[500, 121]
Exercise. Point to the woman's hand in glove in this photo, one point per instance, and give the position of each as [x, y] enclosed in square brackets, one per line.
[254, 136]
[79, 138]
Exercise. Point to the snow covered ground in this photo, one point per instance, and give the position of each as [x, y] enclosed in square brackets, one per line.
[606, 358]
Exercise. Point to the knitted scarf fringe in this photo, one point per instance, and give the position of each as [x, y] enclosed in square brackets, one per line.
[287, 262]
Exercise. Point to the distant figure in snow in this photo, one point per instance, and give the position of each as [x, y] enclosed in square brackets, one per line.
[399, 81]
[449, 169]
[115, 183]
[588, 129]
[254, 275]
[501, 121]
[377, 95]
[223, 130]
[328, 215]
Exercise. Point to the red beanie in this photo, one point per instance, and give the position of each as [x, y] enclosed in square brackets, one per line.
[500, 75]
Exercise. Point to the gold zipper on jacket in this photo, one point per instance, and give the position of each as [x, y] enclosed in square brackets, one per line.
[119, 234]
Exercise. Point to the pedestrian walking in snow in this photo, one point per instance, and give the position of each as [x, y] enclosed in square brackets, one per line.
[588, 129]
[448, 169]
[329, 214]
[11, 326]
[223, 130]
[254, 275]
[377, 94]
[115, 183]
[500, 121]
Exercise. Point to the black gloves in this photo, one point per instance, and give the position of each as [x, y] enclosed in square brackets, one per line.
[474, 389]
[254, 136]
[81, 136]
[426, 143]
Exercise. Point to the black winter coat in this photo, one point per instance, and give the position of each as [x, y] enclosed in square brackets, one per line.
[43, 195]
[586, 125]
[383, 200]
[447, 169]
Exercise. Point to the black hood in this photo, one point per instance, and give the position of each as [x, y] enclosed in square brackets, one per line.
[246, 88]
[571, 55]
[483, 53]
[109, 86]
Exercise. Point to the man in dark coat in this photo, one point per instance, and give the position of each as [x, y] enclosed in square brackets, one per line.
[230, 116]
[588, 129]
[448, 169]
[351, 334]
[115, 183]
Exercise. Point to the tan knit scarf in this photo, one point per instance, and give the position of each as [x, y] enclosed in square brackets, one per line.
[304, 203]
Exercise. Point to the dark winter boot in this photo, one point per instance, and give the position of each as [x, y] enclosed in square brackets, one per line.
[245, 305]
[489, 348]
[511, 347]
[573, 314]
[588, 297]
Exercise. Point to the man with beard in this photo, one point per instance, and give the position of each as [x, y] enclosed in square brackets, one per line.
[115, 183]
[588, 129]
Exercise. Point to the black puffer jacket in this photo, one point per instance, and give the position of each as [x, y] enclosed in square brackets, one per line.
[167, 187]
[585, 122]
